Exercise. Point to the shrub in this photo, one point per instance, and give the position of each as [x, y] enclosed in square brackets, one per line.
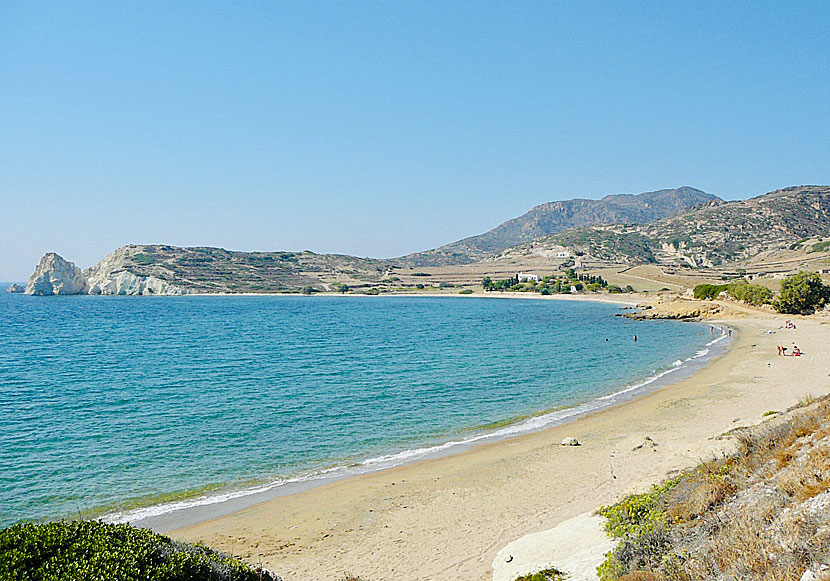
[466, 291]
[637, 514]
[709, 291]
[144, 259]
[543, 575]
[96, 550]
[820, 247]
[753, 294]
[802, 293]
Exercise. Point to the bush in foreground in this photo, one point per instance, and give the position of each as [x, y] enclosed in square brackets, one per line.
[759, 513]
[93, 550]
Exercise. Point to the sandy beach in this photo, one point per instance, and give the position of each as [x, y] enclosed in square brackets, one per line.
[447, 518]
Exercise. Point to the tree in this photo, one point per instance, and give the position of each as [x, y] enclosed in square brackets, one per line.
[802, 293]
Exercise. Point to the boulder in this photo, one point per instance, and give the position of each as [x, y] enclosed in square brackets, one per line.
[569, 441]
[56, 276]
[648, 444]
[16, 288]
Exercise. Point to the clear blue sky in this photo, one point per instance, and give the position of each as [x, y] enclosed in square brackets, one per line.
[382, 128]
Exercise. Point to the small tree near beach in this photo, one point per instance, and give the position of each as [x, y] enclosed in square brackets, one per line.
[802, 293]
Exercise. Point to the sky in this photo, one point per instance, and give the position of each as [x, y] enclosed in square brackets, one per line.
[383, 128]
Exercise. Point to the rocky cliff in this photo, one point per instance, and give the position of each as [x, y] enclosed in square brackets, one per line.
[154, 269]
[116, 275]
[56, 276]
[16, 288]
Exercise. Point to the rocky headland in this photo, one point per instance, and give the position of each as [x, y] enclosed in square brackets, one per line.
[56, 276]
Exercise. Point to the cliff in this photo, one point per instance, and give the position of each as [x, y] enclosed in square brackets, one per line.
[55, 276]
[154, 269]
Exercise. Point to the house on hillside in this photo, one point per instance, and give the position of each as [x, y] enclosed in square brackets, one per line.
[563, 254]
[525, 277]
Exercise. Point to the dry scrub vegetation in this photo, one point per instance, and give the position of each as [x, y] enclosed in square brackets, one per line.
[760, 513]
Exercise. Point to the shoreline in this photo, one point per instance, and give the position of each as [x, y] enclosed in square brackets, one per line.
[447, 517]
[627, 299]
[166, 516]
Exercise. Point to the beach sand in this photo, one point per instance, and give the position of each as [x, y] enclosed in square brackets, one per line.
[448, 518]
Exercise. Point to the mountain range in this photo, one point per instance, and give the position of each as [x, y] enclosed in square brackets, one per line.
[682, 226]
[552, 217]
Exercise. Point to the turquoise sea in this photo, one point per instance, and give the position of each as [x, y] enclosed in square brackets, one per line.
[130, 407]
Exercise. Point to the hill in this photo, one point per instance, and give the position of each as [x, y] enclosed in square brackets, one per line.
[553, 217]
[711, 235]
[154, 269]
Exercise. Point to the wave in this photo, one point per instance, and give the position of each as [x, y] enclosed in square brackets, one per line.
[523, 425]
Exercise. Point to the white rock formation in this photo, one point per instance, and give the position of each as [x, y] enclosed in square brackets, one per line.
[55, 276]
[16, 288]
[127, 283]
[570, 441]
[109, 277]
[576, 547]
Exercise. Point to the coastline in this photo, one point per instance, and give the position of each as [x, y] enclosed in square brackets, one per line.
[627, 299]
[446, 518]
[166, 516]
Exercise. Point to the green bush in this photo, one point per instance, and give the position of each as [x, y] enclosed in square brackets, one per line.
[544, 575]
[93, 550]
[753, 294]
[802, 293]
[709, 291]
[638, 513]
[466, 291]
[144, 259]
[820, 247]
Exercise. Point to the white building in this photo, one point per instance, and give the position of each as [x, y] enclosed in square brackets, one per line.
[525, 277]
[563, 254]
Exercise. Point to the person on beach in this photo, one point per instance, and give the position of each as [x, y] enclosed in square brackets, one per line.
[779, 349]
[796, 351]
[784, 351]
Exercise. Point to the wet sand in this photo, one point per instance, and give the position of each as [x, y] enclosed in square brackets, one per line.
[447, 518]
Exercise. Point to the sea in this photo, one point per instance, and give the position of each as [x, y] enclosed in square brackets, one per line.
[163, 411]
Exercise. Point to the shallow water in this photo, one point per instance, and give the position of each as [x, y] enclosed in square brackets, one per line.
[113, 403]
